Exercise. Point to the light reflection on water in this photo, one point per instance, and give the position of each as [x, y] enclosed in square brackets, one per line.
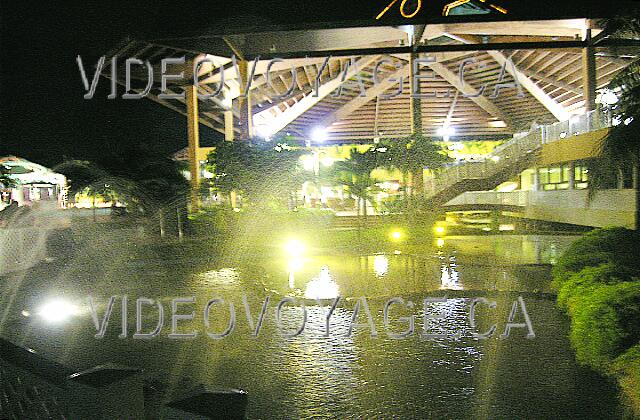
[322, 287]
[506, 263]
[358, 376]
[380, 265]
[450, 278]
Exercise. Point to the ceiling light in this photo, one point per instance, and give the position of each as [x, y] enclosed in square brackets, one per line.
[319, 134]
[446, 131]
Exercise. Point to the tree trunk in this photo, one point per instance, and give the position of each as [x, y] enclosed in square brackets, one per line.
[636, 187]
[418, 183]
[405, 191]
[364, 209]
[179, 220]
[233, 198]
[358, 222]
[161, 217]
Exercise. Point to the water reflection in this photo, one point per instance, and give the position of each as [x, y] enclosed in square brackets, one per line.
[224, 276]
[340, 375]
[380, 265]
[295, 264]
[505, 263]
[322, 287]
[450, 277]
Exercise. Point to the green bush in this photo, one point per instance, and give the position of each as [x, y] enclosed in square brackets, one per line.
[598, 285]
[627, 369]
[213, 221]
[604, 322]
[589, 278]
[617, 246]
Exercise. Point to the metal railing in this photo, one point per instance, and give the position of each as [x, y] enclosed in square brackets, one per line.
[519, 147]
[501, 198]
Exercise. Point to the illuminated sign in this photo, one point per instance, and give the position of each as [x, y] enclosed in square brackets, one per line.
[456, 8]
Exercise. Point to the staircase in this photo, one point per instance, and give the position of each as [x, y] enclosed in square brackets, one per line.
[508, 159]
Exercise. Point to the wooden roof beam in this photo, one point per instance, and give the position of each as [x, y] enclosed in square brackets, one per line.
[552, 106]
[280, 120]
[470, 92]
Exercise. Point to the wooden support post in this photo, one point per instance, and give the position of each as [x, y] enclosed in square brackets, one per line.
[228, 125]
[416, 101]
[193, 145]
[589, 74]
[417, 178]
[244, 102]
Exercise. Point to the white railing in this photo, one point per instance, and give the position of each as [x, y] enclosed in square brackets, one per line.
[511, 198]
[605, 208]
[579, 124]
[517, 148]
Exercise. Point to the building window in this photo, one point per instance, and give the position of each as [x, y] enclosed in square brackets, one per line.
[554, 177]
[581, 174]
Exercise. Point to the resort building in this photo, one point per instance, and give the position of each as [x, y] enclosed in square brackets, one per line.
[31, 183]
[520, 104]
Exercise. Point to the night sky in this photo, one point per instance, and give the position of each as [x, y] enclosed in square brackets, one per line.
[44, 116]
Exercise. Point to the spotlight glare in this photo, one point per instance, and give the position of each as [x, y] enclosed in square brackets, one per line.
[294, 248]
[319, 134]
[608, 97]
[446, 131]
[57, 311]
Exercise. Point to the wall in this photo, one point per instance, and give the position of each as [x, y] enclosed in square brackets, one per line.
[606, 208]
[583, 146]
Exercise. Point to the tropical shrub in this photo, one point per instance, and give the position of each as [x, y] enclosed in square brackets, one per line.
[618, 246]
[589, 278]
[262, 172]
[627, 370]
[604, 323]
[598, 284]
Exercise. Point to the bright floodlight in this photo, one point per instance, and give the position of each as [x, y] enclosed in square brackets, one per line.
[294, 248]
[446, 131]
[319, 134]
[396, 234]
[57, 311]
[608, 97]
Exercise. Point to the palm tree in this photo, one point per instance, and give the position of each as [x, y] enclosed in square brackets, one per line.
[149, 184]
[411, 155]
[355, 174]
[620, 149]
[264, 173]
